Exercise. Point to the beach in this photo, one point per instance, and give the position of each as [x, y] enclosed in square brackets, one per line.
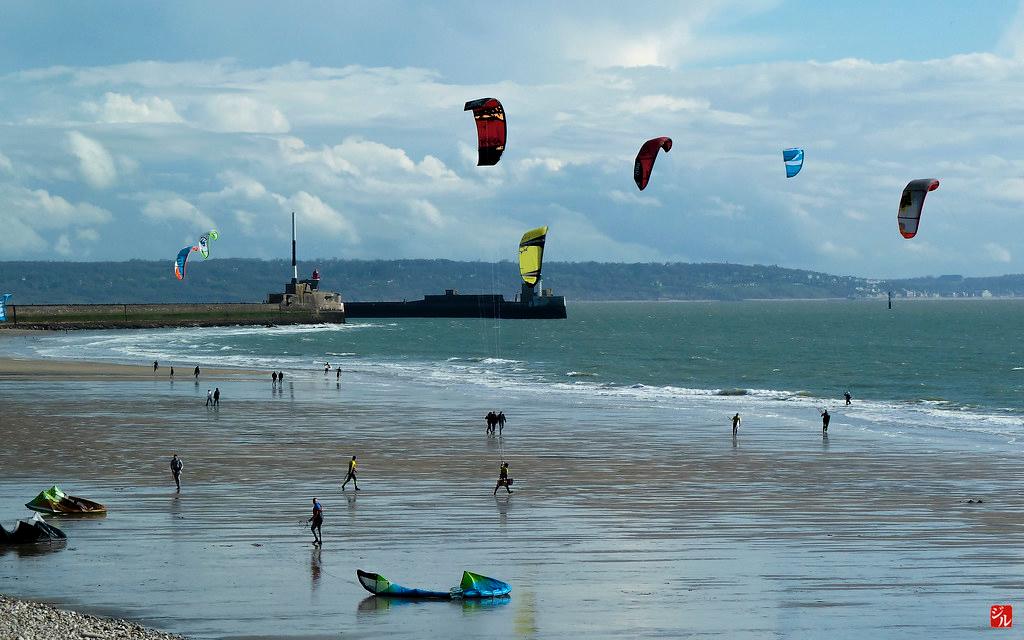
[645, 520]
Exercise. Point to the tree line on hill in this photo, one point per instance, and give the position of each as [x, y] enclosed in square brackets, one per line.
[249, 280]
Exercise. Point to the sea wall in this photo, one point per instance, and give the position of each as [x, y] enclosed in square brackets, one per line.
[143, 316]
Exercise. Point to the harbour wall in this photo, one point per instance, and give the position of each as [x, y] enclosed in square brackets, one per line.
[146, 316]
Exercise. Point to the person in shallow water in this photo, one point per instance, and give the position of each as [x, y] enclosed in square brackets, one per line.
[503, 479]
[196, 373]
[209, 397]
[351, 474]
[315, 521]
[176, 465]
[500, 419]
[216, 397]
[735, 423]
[848, 397]
[491, 421]
[824, 421]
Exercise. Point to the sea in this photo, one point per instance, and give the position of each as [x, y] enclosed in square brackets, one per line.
[934, 368]
[635, 512]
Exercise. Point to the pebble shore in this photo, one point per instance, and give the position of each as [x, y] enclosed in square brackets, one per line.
[22, 620]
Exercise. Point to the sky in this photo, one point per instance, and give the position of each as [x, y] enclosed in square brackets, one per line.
[128, 129]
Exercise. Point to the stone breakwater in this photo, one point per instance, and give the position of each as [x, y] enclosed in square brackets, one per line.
[22, 620]
[150, 316]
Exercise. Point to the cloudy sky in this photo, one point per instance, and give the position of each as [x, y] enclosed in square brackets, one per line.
[127, 129]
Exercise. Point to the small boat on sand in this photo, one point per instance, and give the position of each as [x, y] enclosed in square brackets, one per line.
[30, 530]
[55, 501]
[473, 585]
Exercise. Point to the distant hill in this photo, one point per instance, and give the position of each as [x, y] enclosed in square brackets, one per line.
[244, 280]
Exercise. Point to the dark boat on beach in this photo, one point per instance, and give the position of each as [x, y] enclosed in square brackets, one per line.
[528, 305]
[29, 531]
[55, 501]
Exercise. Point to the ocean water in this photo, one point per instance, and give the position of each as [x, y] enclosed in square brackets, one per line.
[942, 368]
[635, 513]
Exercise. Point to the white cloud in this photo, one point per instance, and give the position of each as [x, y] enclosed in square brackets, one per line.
[424, 210]
[94, 162]
[63, 245]
[173, 208]
[315, 214]
[998, 253]
[5, 163]
[26, 215]
[118, 108]
[237, 113]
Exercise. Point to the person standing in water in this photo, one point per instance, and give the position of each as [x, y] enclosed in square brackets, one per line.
[196, 373]
[172, 372]
[316, 521]
[209, 397]
[848, 397]
[176, 466]
[337, 374]
[735, 423]
[216, 397]
[500, 418]
[351, 474]
[327, 367]
[503, 479]
[824, 421]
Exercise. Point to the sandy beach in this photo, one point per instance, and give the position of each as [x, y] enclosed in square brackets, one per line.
[666, 529]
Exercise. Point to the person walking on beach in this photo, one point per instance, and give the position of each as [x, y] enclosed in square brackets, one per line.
[280, 376]
[273, 376]
[337, 375]
[503, 479]
[315, 521]
[209, 397]
[491, 419]
[500, 419]
[351, 474]
[824, 421]
[172, 372]
[176, 465]
[216, 397]
[196, 373]
[735, 423]
[848, 397]
[327, 367]
[156, 365]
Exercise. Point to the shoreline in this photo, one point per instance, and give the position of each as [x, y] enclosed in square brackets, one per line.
[26, 368]
[21, 618]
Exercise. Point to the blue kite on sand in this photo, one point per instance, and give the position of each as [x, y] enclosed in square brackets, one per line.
[473, 586]
[3, 306]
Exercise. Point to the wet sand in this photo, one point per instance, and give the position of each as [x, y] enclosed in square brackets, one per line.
[58, 369]
[625, 521]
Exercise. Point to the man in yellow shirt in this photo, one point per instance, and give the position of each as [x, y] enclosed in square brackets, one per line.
[351, 474]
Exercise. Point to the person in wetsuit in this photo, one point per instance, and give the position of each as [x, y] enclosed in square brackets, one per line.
[825, 417]
[351, 474]
[503, 479]
[315, 521]
[848, 397]
[735, 423]
[176, 466]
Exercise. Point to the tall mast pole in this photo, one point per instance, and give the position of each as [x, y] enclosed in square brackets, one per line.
[295, 267]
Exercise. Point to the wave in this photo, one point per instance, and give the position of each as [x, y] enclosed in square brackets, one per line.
[580, 374]
[731, 392]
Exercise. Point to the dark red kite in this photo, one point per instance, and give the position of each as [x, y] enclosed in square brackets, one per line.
[490, 129]
[645, 159]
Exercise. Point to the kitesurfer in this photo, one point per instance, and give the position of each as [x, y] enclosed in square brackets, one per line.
[503, 479]
[176, 465]
[316, 520]
[825, 417]
[209, 397]
[848, 397]
[216, 397]
[501, 421]
[351, 474]
[735, 423]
